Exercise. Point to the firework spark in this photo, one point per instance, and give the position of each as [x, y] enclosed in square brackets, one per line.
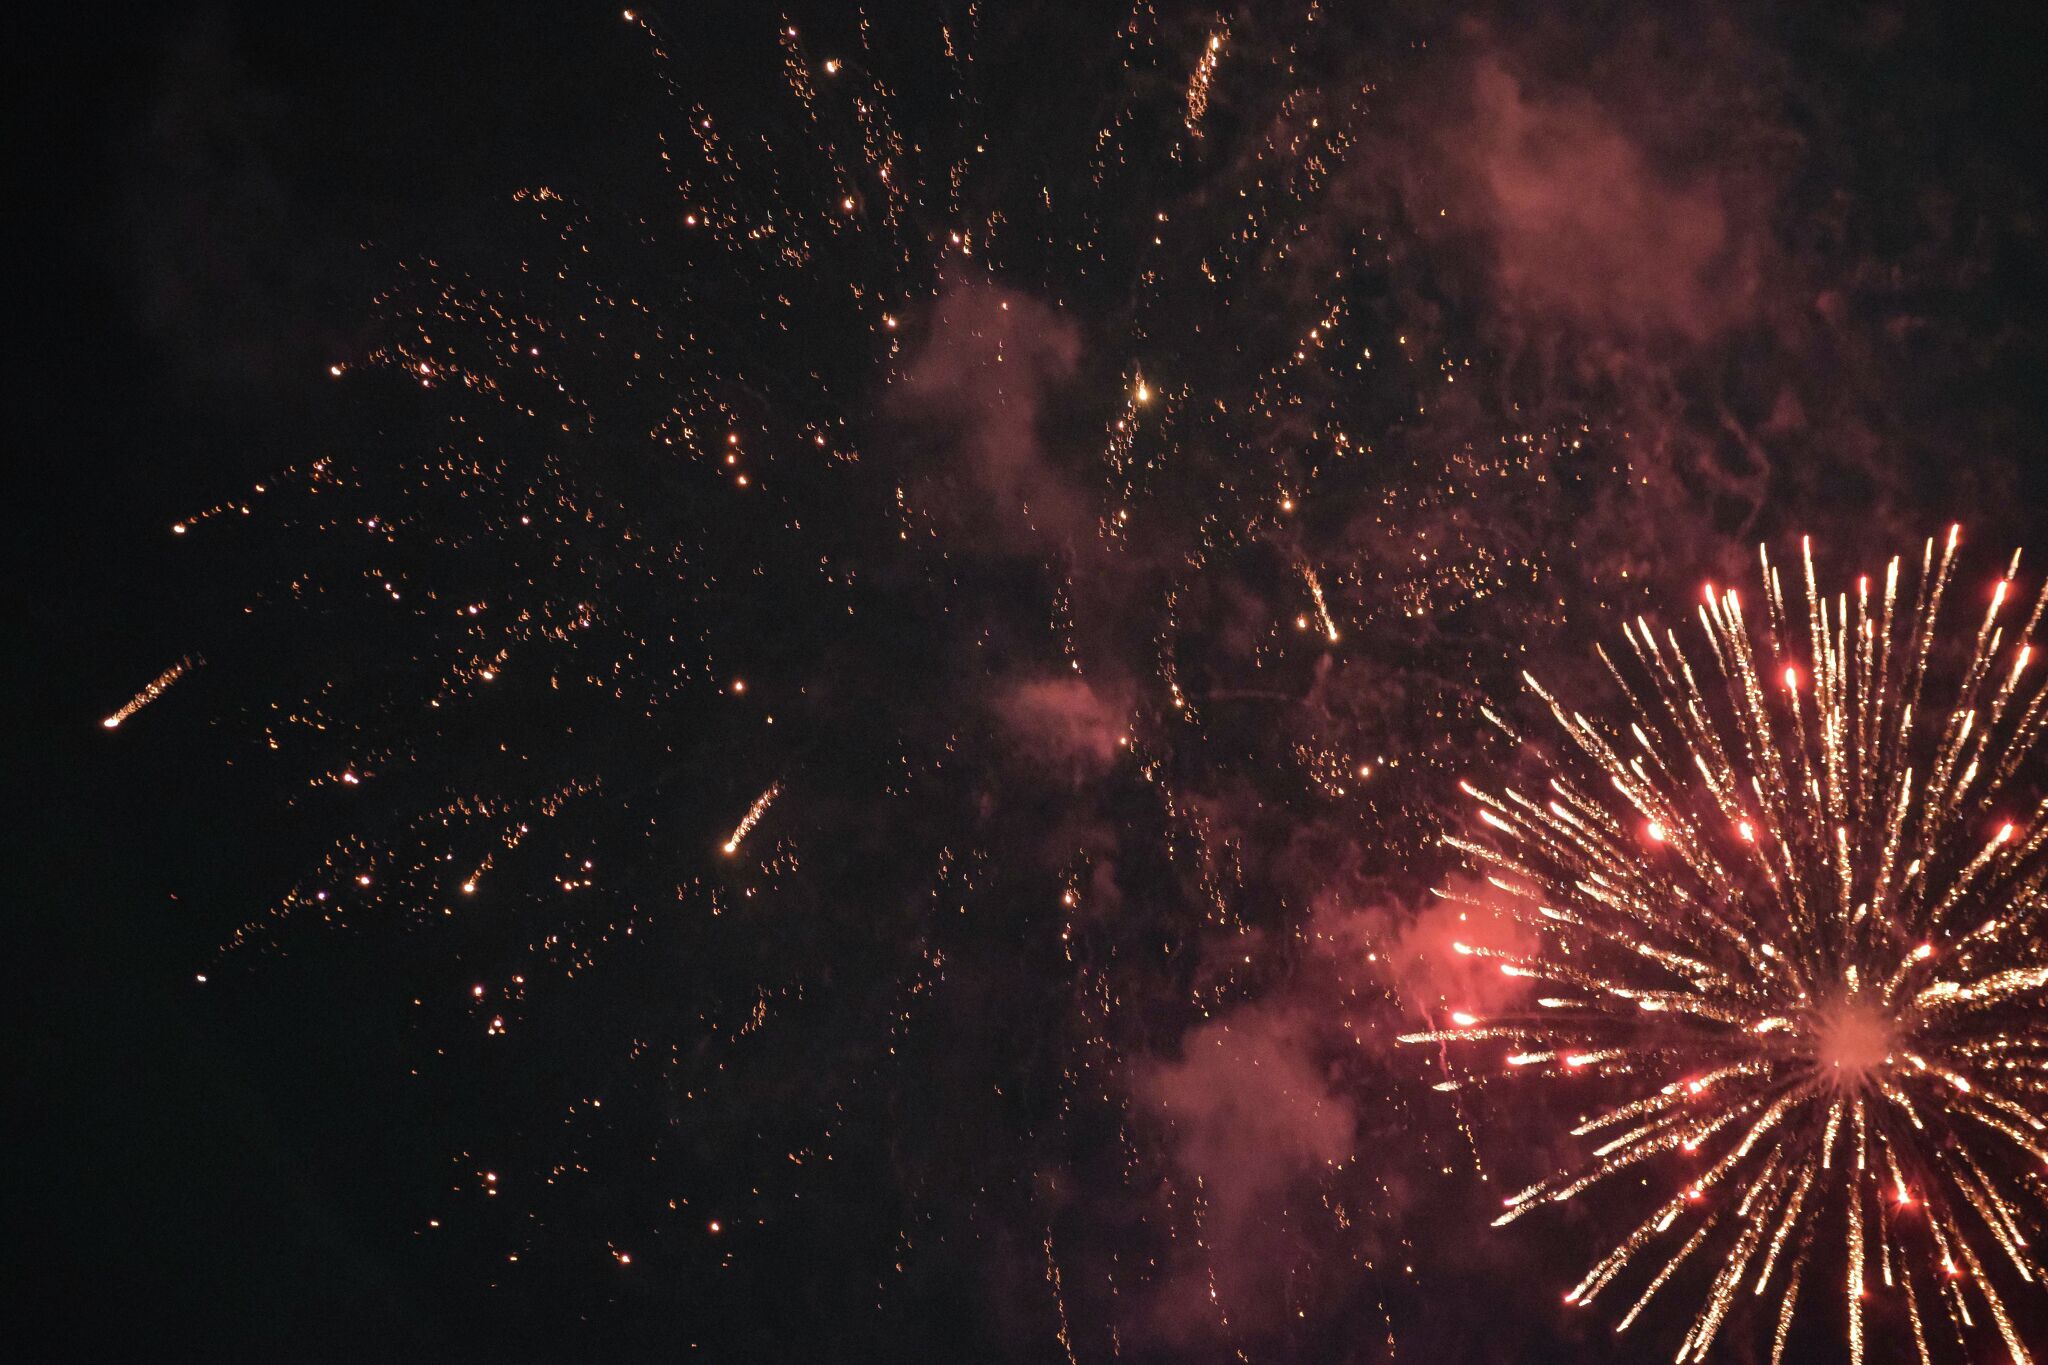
[531, 639]
[1787, 916]
[902, 367]
[1204, 76]
[158, 685]
[1324, 622]
[752, 817]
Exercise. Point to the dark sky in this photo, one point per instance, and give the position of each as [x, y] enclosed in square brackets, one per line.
[1781, 268]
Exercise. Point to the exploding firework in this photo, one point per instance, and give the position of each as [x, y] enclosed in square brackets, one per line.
[1111, 499]
[1786, 914]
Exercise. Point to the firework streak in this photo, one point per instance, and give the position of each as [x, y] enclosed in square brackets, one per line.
[158, 685]
[752, 817]
[1786, 917]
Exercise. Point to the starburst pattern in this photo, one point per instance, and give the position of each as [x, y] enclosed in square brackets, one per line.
[1786, 918]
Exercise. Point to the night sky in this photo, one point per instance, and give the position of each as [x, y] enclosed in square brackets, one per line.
[814, 663]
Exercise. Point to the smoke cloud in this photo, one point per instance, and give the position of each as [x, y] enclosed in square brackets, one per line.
[970, 404]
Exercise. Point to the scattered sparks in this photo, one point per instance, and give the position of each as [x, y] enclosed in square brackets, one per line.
[777, 317]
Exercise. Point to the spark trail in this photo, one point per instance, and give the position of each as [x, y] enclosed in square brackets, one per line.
[752, 817]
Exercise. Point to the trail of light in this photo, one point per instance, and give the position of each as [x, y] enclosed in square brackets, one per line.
[156, 688]
[1204, 75]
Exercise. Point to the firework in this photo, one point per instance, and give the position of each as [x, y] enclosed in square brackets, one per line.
[157, 686]
[1785, 916]
[547, 676]
[752, 817]
[1323, 619]
[1058, 424]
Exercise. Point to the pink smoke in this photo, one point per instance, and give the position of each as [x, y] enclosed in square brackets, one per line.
[1063, 723]
[1583, 223]
[1248, 1113]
